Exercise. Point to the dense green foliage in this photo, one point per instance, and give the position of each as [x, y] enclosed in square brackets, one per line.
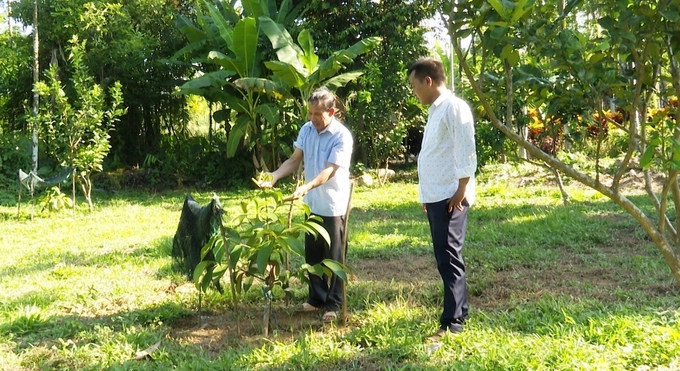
[266, 97]
[77, 132]
[569, 71]
[152, 48]
[380, 104]
[127, 43]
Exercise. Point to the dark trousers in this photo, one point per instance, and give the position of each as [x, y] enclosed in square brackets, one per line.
[326, 292]
[448, 234]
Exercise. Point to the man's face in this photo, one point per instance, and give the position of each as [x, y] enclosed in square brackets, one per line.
[319, 116]
[422, 89]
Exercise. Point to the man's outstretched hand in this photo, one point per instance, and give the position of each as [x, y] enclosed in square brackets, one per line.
[265, 180]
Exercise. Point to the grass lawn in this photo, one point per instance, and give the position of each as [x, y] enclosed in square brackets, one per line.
[551, 287]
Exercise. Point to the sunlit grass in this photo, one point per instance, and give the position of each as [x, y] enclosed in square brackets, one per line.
[552, 287]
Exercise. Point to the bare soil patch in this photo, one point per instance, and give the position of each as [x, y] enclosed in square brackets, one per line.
[216, 331]
[508, 288]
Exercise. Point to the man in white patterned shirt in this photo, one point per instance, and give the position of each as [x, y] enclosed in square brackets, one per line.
[446, 175]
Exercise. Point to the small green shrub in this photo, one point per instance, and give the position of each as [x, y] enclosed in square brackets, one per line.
[54, 200]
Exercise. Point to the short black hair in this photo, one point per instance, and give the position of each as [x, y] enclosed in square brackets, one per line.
[424, 67]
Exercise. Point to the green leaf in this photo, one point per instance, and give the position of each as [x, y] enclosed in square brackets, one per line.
[219, 271]
[340, 81]
[607, 22]
[595, 58]
[507, 49]
[286, 49]
[236, 104]
[221, 23]
[269, 111]
[335, 267]
[498, 7]
[567, 9]
[238, 131]
[338, 59]
[676, 150]
[288, 73]
[226, 62]
[218, 248]
[521, 8]
[297, 246]
[498, 33]
[214, 79]
[200, 268]
[513, 58]
[672, 16]
[189, 30]
[207, 278]
[248, 283]
[263, 257]
[253, 7]
[235, 255]
[245, 44]
[309, 59]
[647, 157]
[316, 269]
[261, 85]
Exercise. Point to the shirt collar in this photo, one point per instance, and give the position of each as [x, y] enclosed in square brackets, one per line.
[332, 128]
[442, 97]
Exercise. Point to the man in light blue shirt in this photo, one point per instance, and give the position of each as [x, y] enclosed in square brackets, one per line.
[324, 147]
[446, 182]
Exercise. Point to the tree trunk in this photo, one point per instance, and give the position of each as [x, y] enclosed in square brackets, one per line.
[9, 22]
[36, 78]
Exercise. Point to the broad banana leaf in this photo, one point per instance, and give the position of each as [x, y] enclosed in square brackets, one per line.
[291, 76]
[225, 30]
[286, 49]
[238, 131]
[214, 79]
[309, 59]
[269, 111]
[192, 33]
[236, 103]
[255, 8]
[340, 58]
[261, 85]
[339, 81]
[245, 45]
[227, 62]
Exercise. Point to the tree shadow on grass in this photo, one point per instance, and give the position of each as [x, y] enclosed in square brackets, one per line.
[41, 262]
[529, 272]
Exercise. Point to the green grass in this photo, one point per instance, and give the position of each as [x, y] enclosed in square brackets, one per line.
[551, 287]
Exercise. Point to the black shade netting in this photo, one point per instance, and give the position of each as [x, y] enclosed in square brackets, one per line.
[196, 226]
[31, 180]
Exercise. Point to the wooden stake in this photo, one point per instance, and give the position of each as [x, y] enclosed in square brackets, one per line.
[344, 316]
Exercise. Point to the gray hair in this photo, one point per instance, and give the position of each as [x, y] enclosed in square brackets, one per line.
[323, 97]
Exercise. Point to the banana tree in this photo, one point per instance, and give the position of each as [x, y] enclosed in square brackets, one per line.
[226, 44]
[300, 69]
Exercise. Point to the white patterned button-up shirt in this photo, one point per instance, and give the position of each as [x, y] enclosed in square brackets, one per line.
[448, 150]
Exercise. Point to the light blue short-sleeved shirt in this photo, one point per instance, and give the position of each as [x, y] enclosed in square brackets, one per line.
[332, 145]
